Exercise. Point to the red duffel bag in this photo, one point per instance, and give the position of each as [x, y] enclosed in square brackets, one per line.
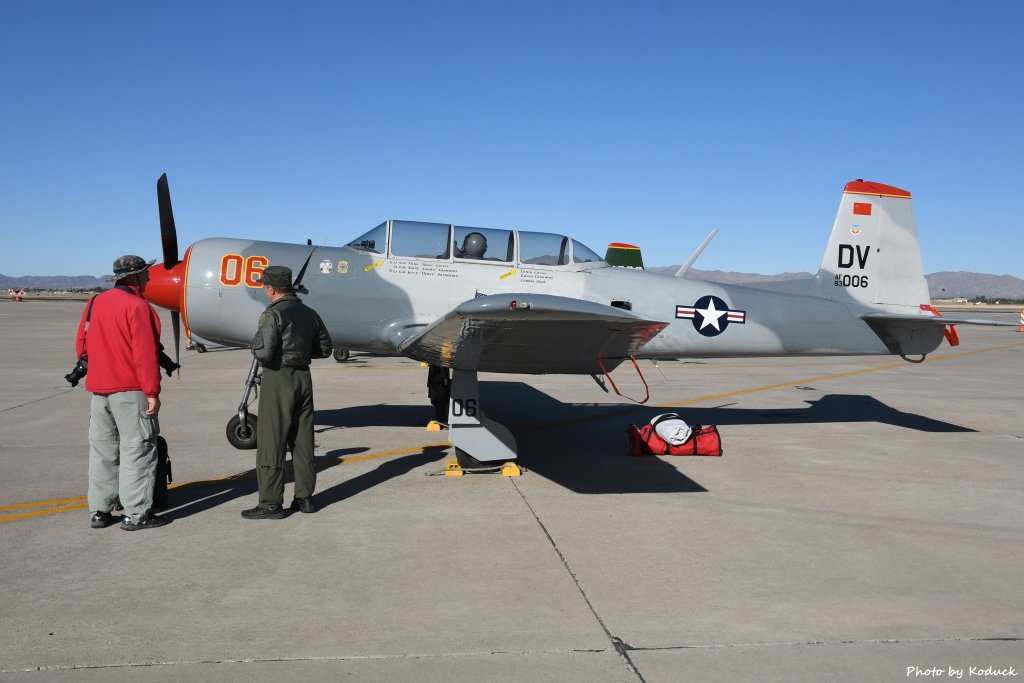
[645, 441]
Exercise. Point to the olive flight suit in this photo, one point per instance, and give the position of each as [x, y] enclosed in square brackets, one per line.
[290, 334]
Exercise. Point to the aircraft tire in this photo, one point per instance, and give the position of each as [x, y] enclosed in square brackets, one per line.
[341, 355]
[242, 439]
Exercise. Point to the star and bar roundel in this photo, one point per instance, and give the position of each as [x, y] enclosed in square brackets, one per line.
[711, 315]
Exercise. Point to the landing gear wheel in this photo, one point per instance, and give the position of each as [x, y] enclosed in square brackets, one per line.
[341, 355]
[242, 437]
[439, 390]
[440, 409]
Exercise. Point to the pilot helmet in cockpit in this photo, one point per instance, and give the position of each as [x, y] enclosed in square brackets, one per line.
[473, 246]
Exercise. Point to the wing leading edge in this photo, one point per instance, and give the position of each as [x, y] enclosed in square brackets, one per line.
[531, 333]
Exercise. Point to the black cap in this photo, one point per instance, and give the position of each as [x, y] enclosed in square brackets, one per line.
[275, 276]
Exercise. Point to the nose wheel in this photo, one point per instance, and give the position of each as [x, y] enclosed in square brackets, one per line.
[242, 436]
[241, 431]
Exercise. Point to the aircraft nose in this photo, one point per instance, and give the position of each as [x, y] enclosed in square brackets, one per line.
[164, 288]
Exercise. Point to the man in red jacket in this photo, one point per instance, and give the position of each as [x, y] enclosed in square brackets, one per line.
[119, 334]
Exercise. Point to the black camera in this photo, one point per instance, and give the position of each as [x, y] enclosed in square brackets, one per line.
[77, 372]
[166, 363]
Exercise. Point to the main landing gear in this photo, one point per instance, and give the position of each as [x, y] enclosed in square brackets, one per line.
[478, 440]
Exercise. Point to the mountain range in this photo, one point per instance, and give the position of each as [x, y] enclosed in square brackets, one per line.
[943, 285]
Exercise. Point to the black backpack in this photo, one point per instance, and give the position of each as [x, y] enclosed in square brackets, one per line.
[163, 474]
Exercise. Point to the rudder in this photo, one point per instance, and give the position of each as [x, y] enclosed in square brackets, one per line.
[873, 255]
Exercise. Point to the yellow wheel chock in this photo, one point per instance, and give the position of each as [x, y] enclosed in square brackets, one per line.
[510, 469]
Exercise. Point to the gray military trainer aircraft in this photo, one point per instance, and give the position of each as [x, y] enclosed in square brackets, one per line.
[470, 300]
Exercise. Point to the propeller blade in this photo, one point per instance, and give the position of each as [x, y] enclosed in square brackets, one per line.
[168, 233]
[176, 328]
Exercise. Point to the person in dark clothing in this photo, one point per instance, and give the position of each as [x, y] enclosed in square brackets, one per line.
[290, 335]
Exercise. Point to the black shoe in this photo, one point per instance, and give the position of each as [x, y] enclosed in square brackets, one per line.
[152, 522]
[101, 520]
[272, 512]
[304, 505]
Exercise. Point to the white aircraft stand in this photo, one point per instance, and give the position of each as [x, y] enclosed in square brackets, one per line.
[471, 431]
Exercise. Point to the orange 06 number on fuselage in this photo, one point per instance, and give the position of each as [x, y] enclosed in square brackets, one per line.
[236, 269]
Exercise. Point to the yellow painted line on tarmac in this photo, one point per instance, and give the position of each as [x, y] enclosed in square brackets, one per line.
[837, 375]
[43, 503]
[42, 513]
[44, 508]
[388, 454]
[768, 387]
[780, 385]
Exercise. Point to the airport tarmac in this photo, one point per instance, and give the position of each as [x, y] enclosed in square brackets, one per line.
[866, 523]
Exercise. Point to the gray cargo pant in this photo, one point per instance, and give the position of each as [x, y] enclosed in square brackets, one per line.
[122, 454]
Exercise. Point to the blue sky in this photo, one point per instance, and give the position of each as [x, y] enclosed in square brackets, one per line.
[648, 121]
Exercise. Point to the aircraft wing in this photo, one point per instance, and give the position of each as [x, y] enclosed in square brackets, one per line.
[931, 319]
[531, 333]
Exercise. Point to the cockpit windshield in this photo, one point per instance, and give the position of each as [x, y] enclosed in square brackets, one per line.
[373, 240]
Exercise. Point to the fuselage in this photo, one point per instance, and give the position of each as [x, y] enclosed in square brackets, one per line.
[402, 276]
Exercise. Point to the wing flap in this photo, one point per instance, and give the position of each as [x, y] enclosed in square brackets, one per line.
[531, 333]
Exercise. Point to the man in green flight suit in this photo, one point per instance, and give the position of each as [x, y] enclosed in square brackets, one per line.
[290, 334]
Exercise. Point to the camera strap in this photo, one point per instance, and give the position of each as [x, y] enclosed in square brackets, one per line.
[88, 311]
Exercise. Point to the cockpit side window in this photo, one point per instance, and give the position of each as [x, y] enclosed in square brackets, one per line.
[419, 240]
[485, 244]
[543, 249]
[372, 241]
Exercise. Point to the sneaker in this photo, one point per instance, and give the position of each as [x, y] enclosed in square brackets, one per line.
[152, 522]
[101, 520]
[272, 512]
[304, 505]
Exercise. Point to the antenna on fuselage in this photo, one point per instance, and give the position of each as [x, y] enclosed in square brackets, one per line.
[686, 266]
[297, 286]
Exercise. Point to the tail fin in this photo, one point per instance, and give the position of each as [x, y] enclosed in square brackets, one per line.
[873, 255]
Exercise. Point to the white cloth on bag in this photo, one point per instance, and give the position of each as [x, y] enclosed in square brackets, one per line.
[672, 429]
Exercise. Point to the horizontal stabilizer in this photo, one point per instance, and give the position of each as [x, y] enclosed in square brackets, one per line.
[930, 319]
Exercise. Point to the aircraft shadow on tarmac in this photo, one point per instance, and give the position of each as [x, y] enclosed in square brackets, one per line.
[582, 446]
[578, 446]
